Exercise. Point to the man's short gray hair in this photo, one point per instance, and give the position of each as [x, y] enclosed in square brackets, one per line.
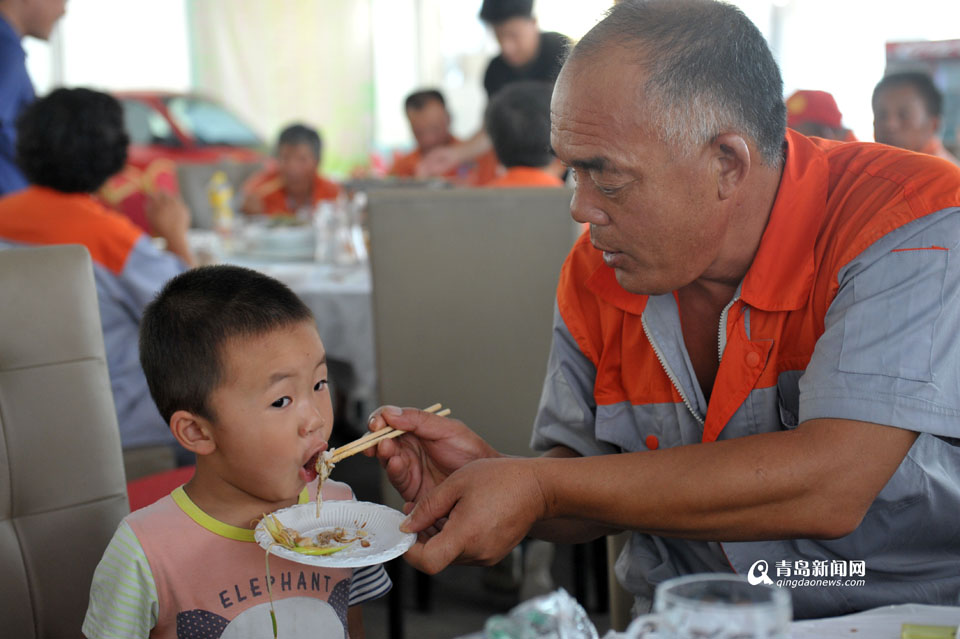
[709, 71]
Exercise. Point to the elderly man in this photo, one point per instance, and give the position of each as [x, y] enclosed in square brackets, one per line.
[907, 108]
[754, 353]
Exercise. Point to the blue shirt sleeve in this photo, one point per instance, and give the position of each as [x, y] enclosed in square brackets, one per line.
[16, 92]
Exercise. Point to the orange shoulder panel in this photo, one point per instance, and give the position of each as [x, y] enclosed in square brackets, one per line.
[42, 216]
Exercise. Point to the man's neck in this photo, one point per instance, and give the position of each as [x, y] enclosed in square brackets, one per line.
[10, 15]
[742, 239]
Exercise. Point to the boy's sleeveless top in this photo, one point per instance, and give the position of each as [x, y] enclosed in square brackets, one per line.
[211, 578]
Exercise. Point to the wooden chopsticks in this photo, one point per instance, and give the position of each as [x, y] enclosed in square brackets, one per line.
[375, 437]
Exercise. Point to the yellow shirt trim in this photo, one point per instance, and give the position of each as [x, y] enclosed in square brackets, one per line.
[216, 526]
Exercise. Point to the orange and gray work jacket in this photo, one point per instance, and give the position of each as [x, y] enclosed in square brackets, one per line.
[850, 310]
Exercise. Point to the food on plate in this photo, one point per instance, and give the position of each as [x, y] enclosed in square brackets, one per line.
[326, 542]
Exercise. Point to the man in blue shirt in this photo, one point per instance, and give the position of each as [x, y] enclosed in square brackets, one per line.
[19, 18]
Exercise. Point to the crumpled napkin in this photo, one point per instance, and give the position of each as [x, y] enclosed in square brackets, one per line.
[553, 616]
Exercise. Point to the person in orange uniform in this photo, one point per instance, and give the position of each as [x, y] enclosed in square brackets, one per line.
[294, 184]
[68, 143]
[518, 123]
[907, 108]
[816, 113]
[754, 350]
[429, 119]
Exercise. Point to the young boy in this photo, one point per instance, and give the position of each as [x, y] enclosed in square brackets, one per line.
[236, 367]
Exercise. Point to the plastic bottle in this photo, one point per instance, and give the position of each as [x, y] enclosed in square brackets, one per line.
[220, 193]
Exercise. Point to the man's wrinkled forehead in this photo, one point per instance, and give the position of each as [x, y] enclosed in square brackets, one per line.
[589, 95]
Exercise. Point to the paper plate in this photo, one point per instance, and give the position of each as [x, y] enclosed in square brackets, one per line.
[382, 526]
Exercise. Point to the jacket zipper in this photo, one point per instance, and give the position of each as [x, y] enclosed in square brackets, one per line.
[663, 364]
[722, 336]
[721, 346]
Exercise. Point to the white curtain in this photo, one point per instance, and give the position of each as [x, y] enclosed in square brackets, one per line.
[279, 61]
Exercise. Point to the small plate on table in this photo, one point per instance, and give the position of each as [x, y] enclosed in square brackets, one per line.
[381, 524]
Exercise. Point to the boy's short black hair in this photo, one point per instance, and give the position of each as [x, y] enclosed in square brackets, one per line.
[185, 327]
[72, 140]
[922, 84]
[419, 99]
[518, 123]
[302, 134]
[498, 11]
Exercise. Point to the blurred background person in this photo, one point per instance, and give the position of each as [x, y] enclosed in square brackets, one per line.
[815, 113]
[526, 54]
[295, 183]
[430, 124]
[429, 120]
[518, 123]
[19, 18]
[68, 144]
[907, 108]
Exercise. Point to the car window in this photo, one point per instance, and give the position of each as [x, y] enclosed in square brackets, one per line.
[210, 124]
[145, 125]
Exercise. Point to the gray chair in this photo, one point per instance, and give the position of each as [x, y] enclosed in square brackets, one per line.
[463, 290]
[463, 293]
[62, 490]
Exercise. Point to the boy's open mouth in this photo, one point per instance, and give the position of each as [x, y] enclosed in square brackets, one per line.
[308, 472]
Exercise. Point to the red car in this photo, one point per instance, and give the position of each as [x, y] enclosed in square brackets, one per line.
[177, 142]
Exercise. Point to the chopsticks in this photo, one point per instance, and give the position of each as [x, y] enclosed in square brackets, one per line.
[375, 437]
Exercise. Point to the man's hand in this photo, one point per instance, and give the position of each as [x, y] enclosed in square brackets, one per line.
[252, 204]
[440, 161]
[488, 506]
[434, 448]
[170, 219]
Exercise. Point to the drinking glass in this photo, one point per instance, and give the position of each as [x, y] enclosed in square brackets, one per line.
[715, 607]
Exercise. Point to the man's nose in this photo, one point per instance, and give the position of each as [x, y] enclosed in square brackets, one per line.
[585, 211]
[889, 122]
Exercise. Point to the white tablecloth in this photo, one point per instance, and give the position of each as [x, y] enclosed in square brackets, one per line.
[879, 623]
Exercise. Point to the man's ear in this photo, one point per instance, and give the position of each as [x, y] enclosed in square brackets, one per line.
[193, 432]
[732, 154]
